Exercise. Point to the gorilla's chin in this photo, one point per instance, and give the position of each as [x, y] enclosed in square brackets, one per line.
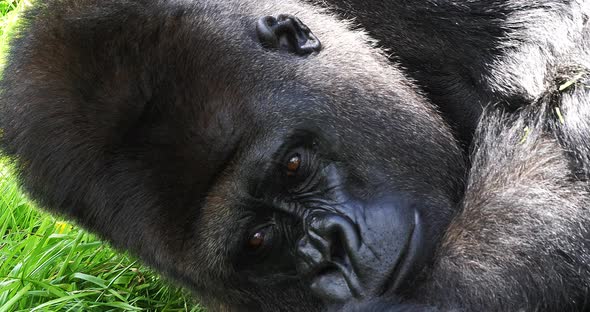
[364, 250]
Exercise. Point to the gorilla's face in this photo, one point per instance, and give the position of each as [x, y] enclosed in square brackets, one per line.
[245, 173]
[339, 196]
[350, 199]
[326, 172]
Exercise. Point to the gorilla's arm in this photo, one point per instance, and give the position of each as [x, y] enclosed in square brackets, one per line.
[521, 240]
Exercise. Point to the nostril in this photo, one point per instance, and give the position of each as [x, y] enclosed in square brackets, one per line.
[333, 239]
[333, 235]
[337, 250]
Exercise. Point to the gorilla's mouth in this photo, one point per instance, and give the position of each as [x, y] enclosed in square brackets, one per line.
[346, 259]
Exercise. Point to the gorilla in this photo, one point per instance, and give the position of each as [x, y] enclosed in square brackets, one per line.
[269, 156]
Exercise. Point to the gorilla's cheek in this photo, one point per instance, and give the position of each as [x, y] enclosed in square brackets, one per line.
[363, 250]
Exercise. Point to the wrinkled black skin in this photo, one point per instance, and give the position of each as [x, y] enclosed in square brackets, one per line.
[166, 128]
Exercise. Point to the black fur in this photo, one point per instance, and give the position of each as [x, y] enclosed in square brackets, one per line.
[154, 124]
[468, 55]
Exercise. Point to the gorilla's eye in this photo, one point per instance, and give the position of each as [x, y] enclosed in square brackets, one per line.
[293, 164]
[256, 240]
[259, 239]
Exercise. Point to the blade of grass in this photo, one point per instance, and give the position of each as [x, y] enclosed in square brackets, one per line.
[6, 307]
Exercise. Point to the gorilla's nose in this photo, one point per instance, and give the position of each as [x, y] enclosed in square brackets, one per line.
[362, 249]
[329, 237]
[287, 33]
[324, 255]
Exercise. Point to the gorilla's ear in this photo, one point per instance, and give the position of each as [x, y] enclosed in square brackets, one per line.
[288, 33]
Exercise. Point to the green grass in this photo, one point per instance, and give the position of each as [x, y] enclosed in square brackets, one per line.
[9, 10]
[48, 264]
